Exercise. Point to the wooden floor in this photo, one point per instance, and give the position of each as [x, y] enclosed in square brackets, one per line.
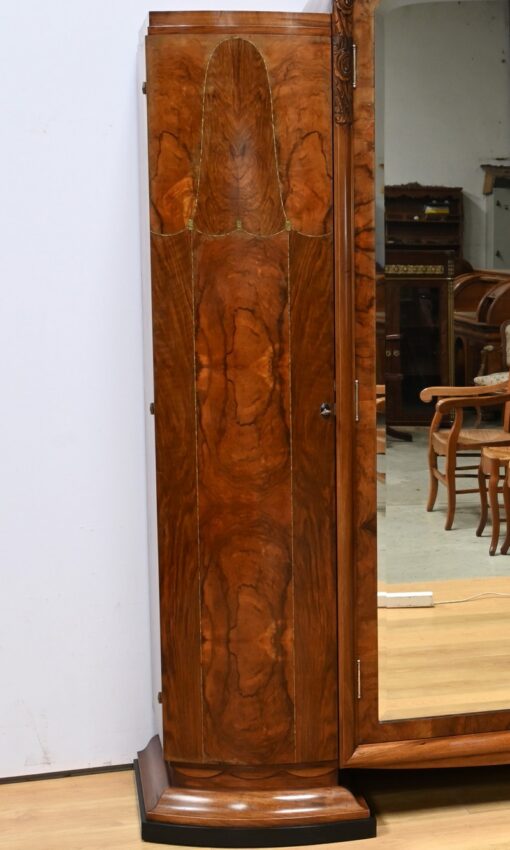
[436, 810]
[450, 659]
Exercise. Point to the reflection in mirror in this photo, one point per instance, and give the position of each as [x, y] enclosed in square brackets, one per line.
[443, 354]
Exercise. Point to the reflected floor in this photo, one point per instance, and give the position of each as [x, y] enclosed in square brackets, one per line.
[452, 658]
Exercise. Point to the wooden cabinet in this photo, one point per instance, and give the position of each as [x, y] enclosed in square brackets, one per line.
[248, 259]
[423, 218]
[418, 350]
[260, 171]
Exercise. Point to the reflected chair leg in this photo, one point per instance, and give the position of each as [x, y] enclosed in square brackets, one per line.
[433, 480]
[450, 487]
[482, 486]
[506, 498]
[493, 501]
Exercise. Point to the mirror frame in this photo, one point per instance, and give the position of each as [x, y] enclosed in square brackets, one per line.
[450, 741]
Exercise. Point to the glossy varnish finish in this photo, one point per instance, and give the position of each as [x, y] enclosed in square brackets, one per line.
[242, 266]
[176, 486]
[291, 797]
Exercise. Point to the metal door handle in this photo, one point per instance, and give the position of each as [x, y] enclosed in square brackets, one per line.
[326, 410]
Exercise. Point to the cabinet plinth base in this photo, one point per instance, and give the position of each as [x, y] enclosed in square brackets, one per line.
[212, 817]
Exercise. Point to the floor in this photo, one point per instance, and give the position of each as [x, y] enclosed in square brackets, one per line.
[454, 657]
[429, 810]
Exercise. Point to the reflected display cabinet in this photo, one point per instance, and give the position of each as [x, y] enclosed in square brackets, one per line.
[262, 323]
[418, 350]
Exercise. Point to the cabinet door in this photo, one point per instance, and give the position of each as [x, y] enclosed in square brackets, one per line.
[243, 310]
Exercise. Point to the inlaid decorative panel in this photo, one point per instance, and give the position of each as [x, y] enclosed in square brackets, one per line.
[242, 258]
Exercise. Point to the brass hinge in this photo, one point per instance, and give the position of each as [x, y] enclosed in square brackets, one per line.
[354, 64]
[358, 678]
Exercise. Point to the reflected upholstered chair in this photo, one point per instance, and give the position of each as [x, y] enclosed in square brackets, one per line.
[456, 441]
[484, 380]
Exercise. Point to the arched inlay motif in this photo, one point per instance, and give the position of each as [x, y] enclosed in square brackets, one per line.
[238, 183]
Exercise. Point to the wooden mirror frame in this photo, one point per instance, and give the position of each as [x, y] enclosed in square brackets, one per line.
[444, 741]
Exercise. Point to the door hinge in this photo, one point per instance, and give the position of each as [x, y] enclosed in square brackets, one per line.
[160, 697]
[354, 64]
[356, 400]
[358, 678]
[144, 88]
[152, 408]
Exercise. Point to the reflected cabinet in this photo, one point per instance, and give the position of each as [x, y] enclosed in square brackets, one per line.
[260, 153]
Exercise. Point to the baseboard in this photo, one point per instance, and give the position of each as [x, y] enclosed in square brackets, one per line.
[62, 774]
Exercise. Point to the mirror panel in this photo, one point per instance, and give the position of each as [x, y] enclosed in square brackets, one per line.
[443, 309]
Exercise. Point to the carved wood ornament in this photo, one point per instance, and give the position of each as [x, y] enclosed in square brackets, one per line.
[342, 61]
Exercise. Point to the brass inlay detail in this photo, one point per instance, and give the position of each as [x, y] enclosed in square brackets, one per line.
[414, 269]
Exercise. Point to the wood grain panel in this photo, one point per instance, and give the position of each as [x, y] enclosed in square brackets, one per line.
[313, 451]
[176, 494]
[303, 135]
[255, 617]
[266, 23]
[175, 78]
[242, 344]
[238, 174]
[257, 778]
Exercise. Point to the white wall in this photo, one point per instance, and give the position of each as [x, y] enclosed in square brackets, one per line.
[75, 684]
[447, 100]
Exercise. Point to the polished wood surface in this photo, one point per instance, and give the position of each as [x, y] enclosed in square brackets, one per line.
[314, 533]
[231, 22]
[251, 802]
[173, 332]
[245, 498]
[243, 264]
[358, 583]
[447, 810]
[346, 368]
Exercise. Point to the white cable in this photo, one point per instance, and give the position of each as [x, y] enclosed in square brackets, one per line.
[489, 595]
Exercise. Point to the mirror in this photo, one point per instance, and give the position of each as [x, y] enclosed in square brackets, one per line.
[443, 320]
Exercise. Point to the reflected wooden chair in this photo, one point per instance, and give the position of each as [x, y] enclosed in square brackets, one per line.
[491, 477]
[456, 441]
[380, 408]
[506, 499]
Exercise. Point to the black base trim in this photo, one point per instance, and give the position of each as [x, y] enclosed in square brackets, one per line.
[277, 836]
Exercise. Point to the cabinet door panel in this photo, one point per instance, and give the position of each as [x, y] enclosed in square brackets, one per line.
[245, 193]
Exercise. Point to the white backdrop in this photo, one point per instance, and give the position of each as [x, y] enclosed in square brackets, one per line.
[75, 681]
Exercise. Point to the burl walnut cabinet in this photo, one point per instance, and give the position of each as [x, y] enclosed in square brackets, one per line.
[248, 250]
[260, 174]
